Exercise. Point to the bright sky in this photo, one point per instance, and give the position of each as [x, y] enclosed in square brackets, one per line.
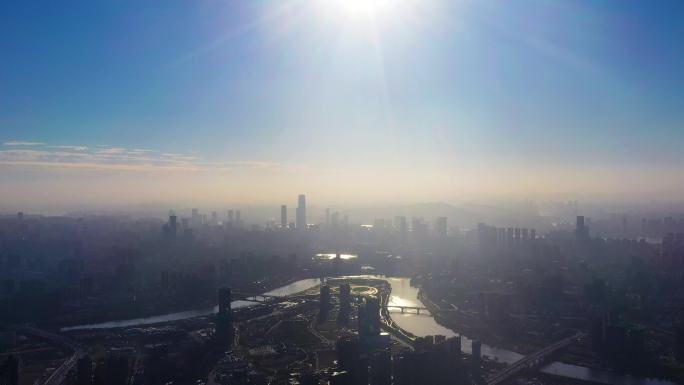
[346, 100]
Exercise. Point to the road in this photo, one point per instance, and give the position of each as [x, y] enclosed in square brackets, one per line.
[533, 359]
[58, 376]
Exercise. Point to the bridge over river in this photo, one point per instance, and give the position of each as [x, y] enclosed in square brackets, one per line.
[533, 360]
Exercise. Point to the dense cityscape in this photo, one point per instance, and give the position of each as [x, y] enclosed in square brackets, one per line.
[215, 298]
[342, 192]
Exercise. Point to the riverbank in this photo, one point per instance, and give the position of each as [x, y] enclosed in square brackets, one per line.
[173, 313]
[578, 371]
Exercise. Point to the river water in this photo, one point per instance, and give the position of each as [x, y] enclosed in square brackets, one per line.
[292, 288]
[403, 294]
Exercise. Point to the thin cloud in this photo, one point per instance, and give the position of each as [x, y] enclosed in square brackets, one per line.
[73, 148]
[22, 143]
[119, 158]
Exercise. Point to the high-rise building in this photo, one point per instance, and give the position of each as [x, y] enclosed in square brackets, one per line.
[401, 226]
[231, 216]
[308, 378]
[476, 350]
[381, 368]
[84, 371]
[345, 300]
[117, 369]
[348, 357]
[301, 212]
[170, 229]
[283, 217]
[441, 227]
[9, 371]
[581, 229]
[324, 302]
[173, 224]
[224, 317]
[369, 319]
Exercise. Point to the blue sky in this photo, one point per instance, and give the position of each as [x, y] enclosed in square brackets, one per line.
[428, 91]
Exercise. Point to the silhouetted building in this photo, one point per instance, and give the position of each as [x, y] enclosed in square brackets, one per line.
[224, 318]
[170, 229]
[597, 331]
[369, 319]
[404, 370]
[117, 370]
[381, 368]
[345, 301]
[301, 212]
[441, 227]
[324, 302]
[348, 356]
[9, 371]
[680, 342]
[476, 350]
[581, 229]
[283, 217]
[616, 341]
[113, 370]
[84, 371]
[308, 378]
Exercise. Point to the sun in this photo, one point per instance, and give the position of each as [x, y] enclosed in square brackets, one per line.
[362, 8]
[362, 5]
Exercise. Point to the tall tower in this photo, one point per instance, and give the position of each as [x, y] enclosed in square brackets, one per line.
[224, 299]
[441, 227]
[283, 217]
[173, 224]
[224, 317]
[581, 229]
[301, 212]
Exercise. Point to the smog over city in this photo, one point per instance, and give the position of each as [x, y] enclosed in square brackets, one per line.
[342, 192]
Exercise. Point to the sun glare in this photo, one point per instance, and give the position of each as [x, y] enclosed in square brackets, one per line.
[362, 8]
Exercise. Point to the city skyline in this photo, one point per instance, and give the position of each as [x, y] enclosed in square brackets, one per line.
[356, 102]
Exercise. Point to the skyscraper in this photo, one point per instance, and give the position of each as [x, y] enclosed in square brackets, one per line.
[173, 224]
[301, 212]
[283, 217]
[170, 229]
[84, 371]
[581, 229]
[224, 317]
[441, 227]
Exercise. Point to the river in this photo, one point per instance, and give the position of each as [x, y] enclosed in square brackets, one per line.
[292, 288]
[403, 294]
